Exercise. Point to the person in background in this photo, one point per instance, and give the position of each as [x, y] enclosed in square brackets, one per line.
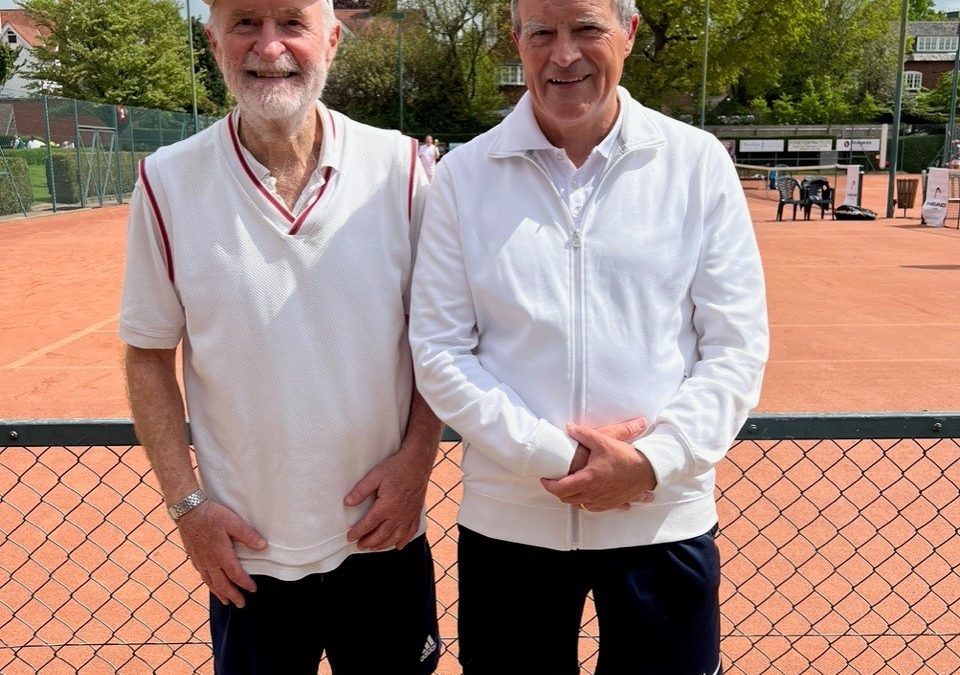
[589, 314]
[277, 247]
[429, 156]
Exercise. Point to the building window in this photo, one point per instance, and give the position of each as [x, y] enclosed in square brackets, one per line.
[912, 80]
[511, 74]
[12, 38]
[931, 43]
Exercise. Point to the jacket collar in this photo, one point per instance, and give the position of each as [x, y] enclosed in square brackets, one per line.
[519, 131]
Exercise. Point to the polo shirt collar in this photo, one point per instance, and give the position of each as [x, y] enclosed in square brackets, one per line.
[331, 144]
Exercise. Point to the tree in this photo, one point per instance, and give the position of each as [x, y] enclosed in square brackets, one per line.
[8, 62]
[449, 72]
[923, 10]
[113, 51]
[855, 44]
[665, 68]
[217, 99]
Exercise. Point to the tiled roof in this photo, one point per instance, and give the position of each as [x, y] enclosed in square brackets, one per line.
[20, 21]
[932, 28]
[353, 19]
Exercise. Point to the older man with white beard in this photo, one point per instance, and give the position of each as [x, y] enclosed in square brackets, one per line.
[277, 246]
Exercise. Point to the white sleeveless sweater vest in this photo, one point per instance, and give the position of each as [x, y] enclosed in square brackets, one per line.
[296, 362]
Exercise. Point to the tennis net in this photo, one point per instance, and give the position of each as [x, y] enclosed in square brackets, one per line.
[759, 182]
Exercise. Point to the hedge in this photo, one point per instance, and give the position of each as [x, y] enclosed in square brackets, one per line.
[18, 175]
[66, 184]
[918, 152]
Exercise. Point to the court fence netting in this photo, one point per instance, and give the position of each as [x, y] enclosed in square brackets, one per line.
[58, 153]
[838, 534]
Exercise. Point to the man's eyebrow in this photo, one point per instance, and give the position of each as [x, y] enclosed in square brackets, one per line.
[533, 27]
[283, 13]
[588, 20]
[289, 13]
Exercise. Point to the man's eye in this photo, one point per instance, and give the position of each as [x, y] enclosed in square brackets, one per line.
[245, 22]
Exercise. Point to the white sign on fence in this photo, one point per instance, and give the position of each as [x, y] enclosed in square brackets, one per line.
[809, 144]
[858, 144]
[761, 145]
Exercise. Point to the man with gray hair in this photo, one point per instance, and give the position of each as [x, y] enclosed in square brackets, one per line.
[586, 264]
[278, 247]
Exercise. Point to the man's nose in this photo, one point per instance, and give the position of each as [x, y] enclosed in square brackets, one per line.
[565, 49]
[269, 45]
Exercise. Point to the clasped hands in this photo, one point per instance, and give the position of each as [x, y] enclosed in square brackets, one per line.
[606, 471]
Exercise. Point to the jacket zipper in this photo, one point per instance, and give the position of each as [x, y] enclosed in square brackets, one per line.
[579, 301]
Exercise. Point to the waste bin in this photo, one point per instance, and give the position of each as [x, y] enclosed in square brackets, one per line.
[907, 193]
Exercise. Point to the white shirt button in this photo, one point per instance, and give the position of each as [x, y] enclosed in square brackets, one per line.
[574, 183]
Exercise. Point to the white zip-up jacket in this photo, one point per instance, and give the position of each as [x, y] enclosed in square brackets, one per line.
[654, 308]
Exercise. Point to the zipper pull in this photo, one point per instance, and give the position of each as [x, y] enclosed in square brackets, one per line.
[575, 239]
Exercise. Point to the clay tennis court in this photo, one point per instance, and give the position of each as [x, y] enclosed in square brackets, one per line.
[864, 317]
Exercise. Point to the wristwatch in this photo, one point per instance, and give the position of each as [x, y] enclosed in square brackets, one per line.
[188, 503]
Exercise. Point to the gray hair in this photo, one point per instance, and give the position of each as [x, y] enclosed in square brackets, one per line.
[329, 17]
[625, 9]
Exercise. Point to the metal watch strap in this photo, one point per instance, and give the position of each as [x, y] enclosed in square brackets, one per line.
[186, 504]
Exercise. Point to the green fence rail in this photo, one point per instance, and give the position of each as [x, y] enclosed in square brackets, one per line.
[839, 536]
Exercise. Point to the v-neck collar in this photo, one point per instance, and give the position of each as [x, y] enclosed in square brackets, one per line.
[328, 161]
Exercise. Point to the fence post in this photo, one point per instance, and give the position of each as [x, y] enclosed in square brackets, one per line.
[133, 147]
[77, 144]
[117, 181]
[53, 178]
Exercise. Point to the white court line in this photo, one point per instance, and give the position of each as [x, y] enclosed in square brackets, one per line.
[33, 356]
[113, 367]
[885, 326]
[888, 360]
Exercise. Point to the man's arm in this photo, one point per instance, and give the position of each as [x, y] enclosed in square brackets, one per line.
[444, 337]
[399, 483]
[209, 529]
[696, 428]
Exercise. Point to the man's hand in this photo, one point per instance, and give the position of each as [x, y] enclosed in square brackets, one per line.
[208, 532]
[614, 474]
[400, 485]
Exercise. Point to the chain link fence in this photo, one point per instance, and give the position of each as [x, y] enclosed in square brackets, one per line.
[839, 537]
[58, 153]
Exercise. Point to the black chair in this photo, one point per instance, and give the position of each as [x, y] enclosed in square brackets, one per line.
[788, 187]
[816, 192]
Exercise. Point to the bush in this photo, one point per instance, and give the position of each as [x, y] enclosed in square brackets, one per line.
[919, 151]
[67, 181]
[18, 175]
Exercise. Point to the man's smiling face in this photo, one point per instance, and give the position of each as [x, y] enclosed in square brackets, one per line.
[573, 53]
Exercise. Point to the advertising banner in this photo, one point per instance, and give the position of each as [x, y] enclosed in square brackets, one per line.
[852, 195]
[934, 209]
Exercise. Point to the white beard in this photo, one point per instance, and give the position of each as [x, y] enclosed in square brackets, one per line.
[278, 100]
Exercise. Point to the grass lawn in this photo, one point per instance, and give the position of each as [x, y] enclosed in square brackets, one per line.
[38, 183]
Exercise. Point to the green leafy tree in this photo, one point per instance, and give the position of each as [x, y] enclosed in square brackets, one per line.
[853, 49]
[449, 73]
[8, 62]
[217, 99]
[665, 68]
[923, 10]
[113, 51]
